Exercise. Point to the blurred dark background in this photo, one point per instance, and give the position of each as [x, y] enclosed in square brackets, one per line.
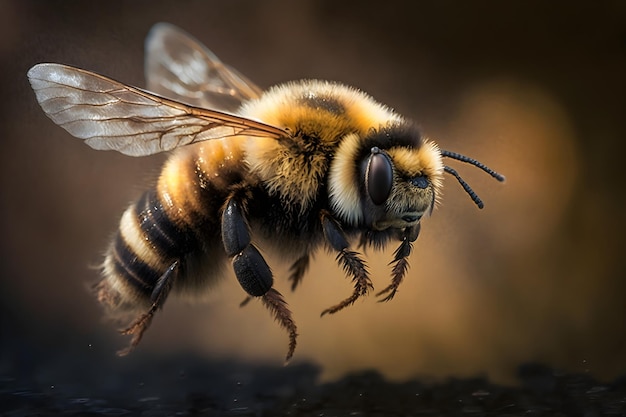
[536, 90]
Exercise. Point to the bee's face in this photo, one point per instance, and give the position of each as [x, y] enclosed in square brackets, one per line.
[399, 186]
[388, 178]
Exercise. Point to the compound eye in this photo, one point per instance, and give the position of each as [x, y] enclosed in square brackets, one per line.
[379, 177]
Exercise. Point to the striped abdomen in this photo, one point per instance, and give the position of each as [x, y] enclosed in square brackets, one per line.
[178, 221]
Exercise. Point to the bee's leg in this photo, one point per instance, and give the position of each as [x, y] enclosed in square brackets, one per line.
[297, 270]
[245, 301]
[159, 295]
[276, 304]
[253, 273]
[400, 262]
[352, 264]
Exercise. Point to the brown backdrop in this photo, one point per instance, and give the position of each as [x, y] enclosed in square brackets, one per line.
[535, 90]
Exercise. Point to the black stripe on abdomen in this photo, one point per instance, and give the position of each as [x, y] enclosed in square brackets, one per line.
[168, 240]
[129, 266]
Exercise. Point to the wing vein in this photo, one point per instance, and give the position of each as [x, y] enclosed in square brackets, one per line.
[109, 115]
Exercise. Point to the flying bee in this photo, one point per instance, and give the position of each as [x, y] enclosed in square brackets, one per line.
[302, 165]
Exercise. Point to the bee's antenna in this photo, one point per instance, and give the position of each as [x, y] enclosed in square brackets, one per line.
[461, 181]
[465, 186]
[474, 162]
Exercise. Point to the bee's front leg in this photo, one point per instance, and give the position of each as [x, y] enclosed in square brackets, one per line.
[400, 262]
[253, 273]
[349, 260]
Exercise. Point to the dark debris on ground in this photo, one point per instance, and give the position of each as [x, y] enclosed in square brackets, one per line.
[191, 386]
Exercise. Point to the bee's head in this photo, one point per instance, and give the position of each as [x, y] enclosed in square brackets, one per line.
[397, 189]
[391, 177]
[388, 178]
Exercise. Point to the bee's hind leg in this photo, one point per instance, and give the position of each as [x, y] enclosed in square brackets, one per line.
[159, 295]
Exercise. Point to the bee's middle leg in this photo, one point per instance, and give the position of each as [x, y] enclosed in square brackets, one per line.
[349, 260]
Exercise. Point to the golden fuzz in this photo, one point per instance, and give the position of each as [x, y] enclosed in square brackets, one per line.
[425, 160]
[285, 106]
[344, 196]
[310, 110]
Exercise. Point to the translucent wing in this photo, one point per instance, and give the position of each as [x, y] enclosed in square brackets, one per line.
[180, 67]
[109, 115]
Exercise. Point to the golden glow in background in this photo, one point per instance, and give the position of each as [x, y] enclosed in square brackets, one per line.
[535, 92]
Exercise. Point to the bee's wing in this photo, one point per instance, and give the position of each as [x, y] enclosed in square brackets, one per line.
[181, 68]
[109, 115]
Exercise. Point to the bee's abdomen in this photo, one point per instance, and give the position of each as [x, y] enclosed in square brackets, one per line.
[177, 221]
[147, 243]
[166, 238]
[131, 269]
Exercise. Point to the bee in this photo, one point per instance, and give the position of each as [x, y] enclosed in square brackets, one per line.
[303, 165]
